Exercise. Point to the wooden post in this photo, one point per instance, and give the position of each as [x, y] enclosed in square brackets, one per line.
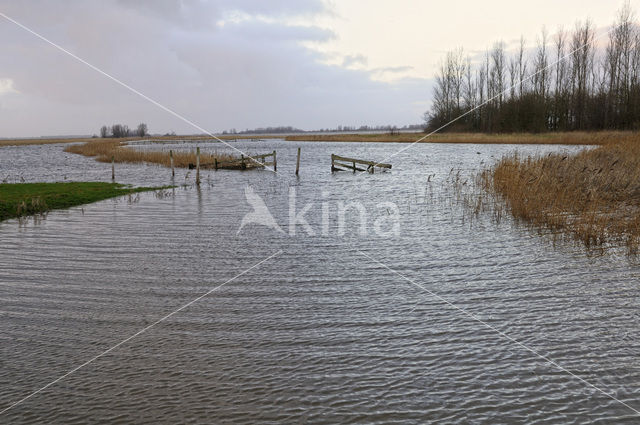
[275, 162]
[198, 166]
[354, 167]
[173, 171]
[113, 167]
[242, 164]
[215, 162]
[298, 162]
[332, 167]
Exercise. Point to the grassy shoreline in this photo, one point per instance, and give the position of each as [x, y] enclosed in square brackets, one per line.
[23, 199]
[568, 138]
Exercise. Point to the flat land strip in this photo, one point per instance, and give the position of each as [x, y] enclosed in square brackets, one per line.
[569, 138]
[22, 199]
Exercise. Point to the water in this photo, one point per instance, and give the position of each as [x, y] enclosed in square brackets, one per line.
[323, 332]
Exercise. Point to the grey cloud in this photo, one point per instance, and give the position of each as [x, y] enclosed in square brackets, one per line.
[243, 75]
[352, 60]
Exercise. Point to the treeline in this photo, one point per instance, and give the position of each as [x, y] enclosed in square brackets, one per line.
[265, 130]
[381, 128]
[565, 83]
[339, 129]
[123, 130]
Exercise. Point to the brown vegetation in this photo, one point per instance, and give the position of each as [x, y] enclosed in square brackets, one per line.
[593, 196]
[568, 138]
[105, 150]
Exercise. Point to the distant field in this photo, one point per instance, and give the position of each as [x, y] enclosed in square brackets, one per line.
[570, 138]
[39, 141]
[573, 138]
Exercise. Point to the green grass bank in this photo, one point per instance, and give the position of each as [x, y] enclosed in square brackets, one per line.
[23, 199]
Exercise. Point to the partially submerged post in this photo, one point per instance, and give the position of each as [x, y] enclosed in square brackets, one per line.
[113, 167]
[198, 166]
[275, 162]
[298, 162]
[173, 171]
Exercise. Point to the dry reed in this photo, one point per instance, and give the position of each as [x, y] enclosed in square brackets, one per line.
[592, 196]
[569, 138]
[105, 150]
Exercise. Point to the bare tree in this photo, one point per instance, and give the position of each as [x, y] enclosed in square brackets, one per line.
[587, 88]
[104, 131]
[142, 130]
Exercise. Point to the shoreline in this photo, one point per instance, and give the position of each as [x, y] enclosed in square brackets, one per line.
[560, 138]
[556, 138]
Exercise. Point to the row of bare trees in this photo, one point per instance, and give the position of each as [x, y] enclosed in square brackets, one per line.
[565, 83]
[122, 130]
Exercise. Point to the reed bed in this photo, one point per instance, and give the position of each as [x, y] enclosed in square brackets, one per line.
[568, 138]
[104, 151]
[592, 196]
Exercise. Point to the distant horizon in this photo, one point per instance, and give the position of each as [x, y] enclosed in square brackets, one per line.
[257, 131]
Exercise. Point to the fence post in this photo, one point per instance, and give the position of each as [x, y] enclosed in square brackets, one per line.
[198, 166]
[332, 166]
[298, 162]
[275, 162]
[215, 162]
[173, 171]
[113, 167]
[242, 164]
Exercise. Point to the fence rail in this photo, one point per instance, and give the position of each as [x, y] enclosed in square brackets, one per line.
[343, 163]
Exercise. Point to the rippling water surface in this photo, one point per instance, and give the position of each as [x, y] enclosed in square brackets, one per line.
[442, 322]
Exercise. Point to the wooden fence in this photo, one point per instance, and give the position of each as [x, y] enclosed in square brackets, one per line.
[243, 163]
[341, 163]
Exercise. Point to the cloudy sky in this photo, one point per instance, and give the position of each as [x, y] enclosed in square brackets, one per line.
[247, 63]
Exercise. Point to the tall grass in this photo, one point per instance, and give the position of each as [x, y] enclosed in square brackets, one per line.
[103, 151]
[592, 196]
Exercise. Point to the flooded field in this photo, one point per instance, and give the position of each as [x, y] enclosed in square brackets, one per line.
[415, 316]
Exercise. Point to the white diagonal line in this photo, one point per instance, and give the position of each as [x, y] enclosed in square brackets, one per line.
[504, 335]
[131, 89]
[136, 334]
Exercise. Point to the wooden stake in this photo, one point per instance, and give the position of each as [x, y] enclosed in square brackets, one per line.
[275, 162]
[298, 162]
[215, 163]
[173, 171]
[113, 167]
[198, 166]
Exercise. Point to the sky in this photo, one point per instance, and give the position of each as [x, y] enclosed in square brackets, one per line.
[242, 64]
